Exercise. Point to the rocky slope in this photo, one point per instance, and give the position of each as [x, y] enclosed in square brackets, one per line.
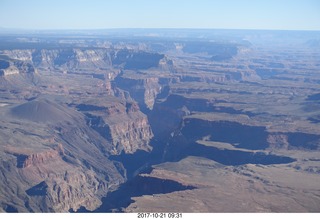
[58, 157]
[12, 67]
[143, 89]
[55, 164]
[121, 123]
[221, 188]
[71, 59]
[152, 124]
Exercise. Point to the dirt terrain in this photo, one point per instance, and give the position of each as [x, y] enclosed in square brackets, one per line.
[216, 121]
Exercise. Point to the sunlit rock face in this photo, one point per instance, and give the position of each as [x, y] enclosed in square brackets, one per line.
[180, 120]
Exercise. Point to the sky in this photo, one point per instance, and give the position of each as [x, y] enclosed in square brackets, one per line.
[104, 14]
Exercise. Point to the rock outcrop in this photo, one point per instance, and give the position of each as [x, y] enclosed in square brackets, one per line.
[88, 123]
[122, 123]
[143, 90]
[71, 59]
[13, 67]
[36, 159]
[137, 60]
[69, 192]
[293, 140]
[55, 165]
[9, 71]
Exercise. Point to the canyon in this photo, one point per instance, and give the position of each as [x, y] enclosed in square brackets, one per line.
[213, 121]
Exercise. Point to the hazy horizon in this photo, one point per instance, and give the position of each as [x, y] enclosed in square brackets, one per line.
[142, 14]
[151, 28]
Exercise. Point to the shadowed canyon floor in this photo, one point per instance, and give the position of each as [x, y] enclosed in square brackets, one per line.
[213, 121]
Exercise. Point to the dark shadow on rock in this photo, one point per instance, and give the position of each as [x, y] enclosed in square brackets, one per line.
[10, 209]
[248, 137]
[121, 198]
[234, 157]
[38, 190]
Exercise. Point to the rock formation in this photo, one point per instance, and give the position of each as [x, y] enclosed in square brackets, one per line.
[143, 90]
[138, 123]
[68, 170]
[121, 123]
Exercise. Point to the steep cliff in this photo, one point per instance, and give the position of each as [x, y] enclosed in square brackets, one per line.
[13, 67]
[57, 158]
[172, 108]
[135, 60]
[36, 159]
[293, 141]
[108, 119]
[71, 59]
[64, 58]
[218, 51]
[120, 122]
[143, 89]
[53, 165]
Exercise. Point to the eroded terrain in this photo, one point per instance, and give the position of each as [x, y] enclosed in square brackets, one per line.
[216, 121]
